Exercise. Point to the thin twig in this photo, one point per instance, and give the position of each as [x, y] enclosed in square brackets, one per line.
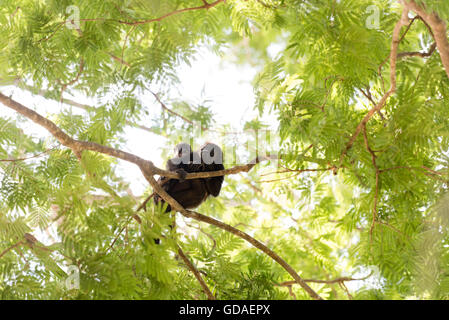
[31, 157]
[10, 248]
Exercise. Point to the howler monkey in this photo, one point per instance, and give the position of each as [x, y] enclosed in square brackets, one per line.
[192, 192]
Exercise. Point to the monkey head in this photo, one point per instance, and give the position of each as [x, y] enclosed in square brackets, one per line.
[211, 154]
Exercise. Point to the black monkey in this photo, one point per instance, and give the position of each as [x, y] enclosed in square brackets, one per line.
[192, 192]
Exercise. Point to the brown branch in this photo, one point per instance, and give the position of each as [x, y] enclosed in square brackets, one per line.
[286, 170]
[214, 242]
[419, 54]
[343, 286]
[438, 27]
[376, 199]
[169, 110]
[73, 81]
[392, 228]
[164, 106]
[393, 58]
[337, 280]
[432, 173]
[180, 252]
[373, 155]
[14, 13]
[291, 293]
[144, 203]
[147, 166]
[62, 23]
[125, 41]
[379, 71]
[136, 23]
[10, 248]
[200, 217]
[120, 60]
[338, 78]
[368, 95]
[119, 233]
[295, 173]
[79, 146]
[196, 273]
[204, 6]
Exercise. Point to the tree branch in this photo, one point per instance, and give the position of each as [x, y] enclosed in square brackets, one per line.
[204, 6]
[30, 157]
[10, 248]
[196, 273]
[438, 27]
[418, 54]
[393, 58]
[85, 107]
[337, 280]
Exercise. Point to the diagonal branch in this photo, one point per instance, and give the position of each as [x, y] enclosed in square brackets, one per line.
[170, 110]
[259, 245]
[437, 26]
[10, 248]
[196, 273]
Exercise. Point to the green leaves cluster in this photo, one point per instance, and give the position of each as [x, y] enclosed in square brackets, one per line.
[381, 206]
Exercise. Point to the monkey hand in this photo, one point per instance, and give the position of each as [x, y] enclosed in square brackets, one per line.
[181, 174]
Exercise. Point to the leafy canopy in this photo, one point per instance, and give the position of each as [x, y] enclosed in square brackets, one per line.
[378, 207]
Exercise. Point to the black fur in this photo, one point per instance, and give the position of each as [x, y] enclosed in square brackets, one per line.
[191, 193]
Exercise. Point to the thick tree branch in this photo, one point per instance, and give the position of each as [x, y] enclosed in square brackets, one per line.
[438, 27]
[197, 216]
[147, 166]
